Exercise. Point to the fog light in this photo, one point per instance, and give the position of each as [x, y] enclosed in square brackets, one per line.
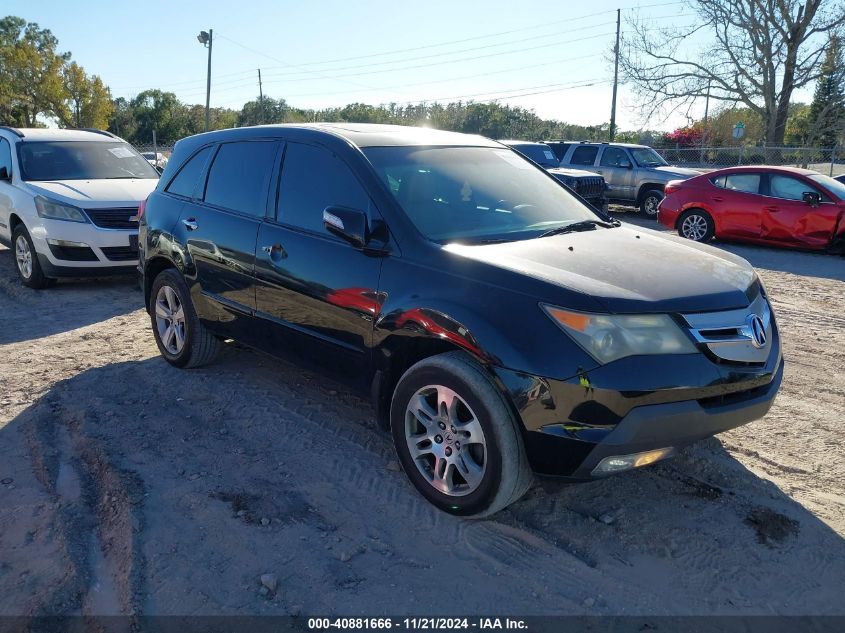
[618, 463]
[67, 243]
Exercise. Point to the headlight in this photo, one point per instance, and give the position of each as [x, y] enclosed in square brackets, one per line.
[53, 210]
[608, 337]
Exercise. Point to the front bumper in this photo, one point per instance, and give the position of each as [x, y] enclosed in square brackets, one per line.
[107, 251]
[634, 405]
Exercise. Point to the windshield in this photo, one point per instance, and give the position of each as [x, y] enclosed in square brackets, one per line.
[832, 185]
[647, 157]
[82, 160]
[475, 194]
[539, 153]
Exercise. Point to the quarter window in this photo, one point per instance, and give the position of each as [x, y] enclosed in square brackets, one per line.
[584, 155]
[6, 156]
[185, 181]
[240, 176]
[313, 178]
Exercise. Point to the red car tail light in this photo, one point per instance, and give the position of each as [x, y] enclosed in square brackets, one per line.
[671, 186]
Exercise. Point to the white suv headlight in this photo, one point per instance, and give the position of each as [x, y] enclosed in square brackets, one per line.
[608, 337]
[53, 210]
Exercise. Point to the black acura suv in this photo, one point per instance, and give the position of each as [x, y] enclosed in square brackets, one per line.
[499, 324]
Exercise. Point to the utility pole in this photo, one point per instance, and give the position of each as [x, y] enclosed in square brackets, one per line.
[206, 39]
[704, 128]
[208, 80]
[615, 75]
[260, 99]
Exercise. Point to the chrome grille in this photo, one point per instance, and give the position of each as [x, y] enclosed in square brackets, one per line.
[730, 335]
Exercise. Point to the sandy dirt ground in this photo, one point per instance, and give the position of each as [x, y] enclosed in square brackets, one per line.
[130, 487]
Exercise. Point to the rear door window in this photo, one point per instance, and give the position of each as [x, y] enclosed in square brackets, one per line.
[313, 178]
[584, 155]
[746, 183]
[614, 157]
[185, 182]
[239, 177]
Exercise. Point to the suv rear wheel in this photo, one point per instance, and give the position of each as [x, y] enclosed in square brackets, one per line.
[26, 260]
[457, 440]
[649, 202]
[181, 338]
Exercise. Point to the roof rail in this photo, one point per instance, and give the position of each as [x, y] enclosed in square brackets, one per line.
[96, 131]
[13, 130]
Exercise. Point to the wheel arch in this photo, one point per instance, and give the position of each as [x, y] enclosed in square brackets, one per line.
[648, 186]
[152, 269]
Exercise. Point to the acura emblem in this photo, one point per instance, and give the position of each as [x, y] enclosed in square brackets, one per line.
[758, 331]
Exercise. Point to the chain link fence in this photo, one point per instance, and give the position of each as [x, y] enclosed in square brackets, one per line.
[830, 161]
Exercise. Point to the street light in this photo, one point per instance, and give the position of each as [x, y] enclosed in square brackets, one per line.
[205, 38]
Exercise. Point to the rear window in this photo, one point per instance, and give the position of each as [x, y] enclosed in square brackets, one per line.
[584, 155]
[540, 154]
[82, 160]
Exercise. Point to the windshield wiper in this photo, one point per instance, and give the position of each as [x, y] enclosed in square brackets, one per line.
[576, 227]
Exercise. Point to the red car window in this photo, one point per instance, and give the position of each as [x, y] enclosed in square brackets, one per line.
[789, 188]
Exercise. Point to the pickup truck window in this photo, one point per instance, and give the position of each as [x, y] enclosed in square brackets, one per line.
[584, 155]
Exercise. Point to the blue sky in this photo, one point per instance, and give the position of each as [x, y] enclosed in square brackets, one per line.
[539, 55]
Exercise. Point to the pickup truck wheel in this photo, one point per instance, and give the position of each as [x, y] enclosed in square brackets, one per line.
[696, 225]
[457, 440]
[181, 338]
[648, 205]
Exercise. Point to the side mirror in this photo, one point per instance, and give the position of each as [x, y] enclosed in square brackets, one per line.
[348, 224]
[627, 165]
[4, 173]
[812, 198]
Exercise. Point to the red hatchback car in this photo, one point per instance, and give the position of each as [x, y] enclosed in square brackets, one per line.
[785, 206]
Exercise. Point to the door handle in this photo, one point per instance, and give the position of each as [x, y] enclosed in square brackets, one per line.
[718, 199]
[771, 209]
[190, 224]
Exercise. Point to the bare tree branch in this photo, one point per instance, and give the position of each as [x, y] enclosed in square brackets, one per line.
[760, 52]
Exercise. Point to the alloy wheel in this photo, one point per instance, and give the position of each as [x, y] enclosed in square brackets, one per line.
[23, 256]
[694, 227]
[170, 320]
[650, 205]
[445, 440]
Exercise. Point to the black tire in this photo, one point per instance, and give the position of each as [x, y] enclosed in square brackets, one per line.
[200, 346]
[506, 475]
[696, 225]
[649, 202]
[36, 278]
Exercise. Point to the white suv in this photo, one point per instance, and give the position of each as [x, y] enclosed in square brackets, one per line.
[69, 202]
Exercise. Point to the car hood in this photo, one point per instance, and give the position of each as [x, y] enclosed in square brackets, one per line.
[96, 193]
[627, 270]
[574, 173]
[676, 172]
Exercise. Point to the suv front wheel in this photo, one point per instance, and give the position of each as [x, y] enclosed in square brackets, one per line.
[26, 260]
[457, 440]
[181, 338]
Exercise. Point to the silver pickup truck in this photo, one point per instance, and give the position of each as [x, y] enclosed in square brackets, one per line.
[635, 174]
